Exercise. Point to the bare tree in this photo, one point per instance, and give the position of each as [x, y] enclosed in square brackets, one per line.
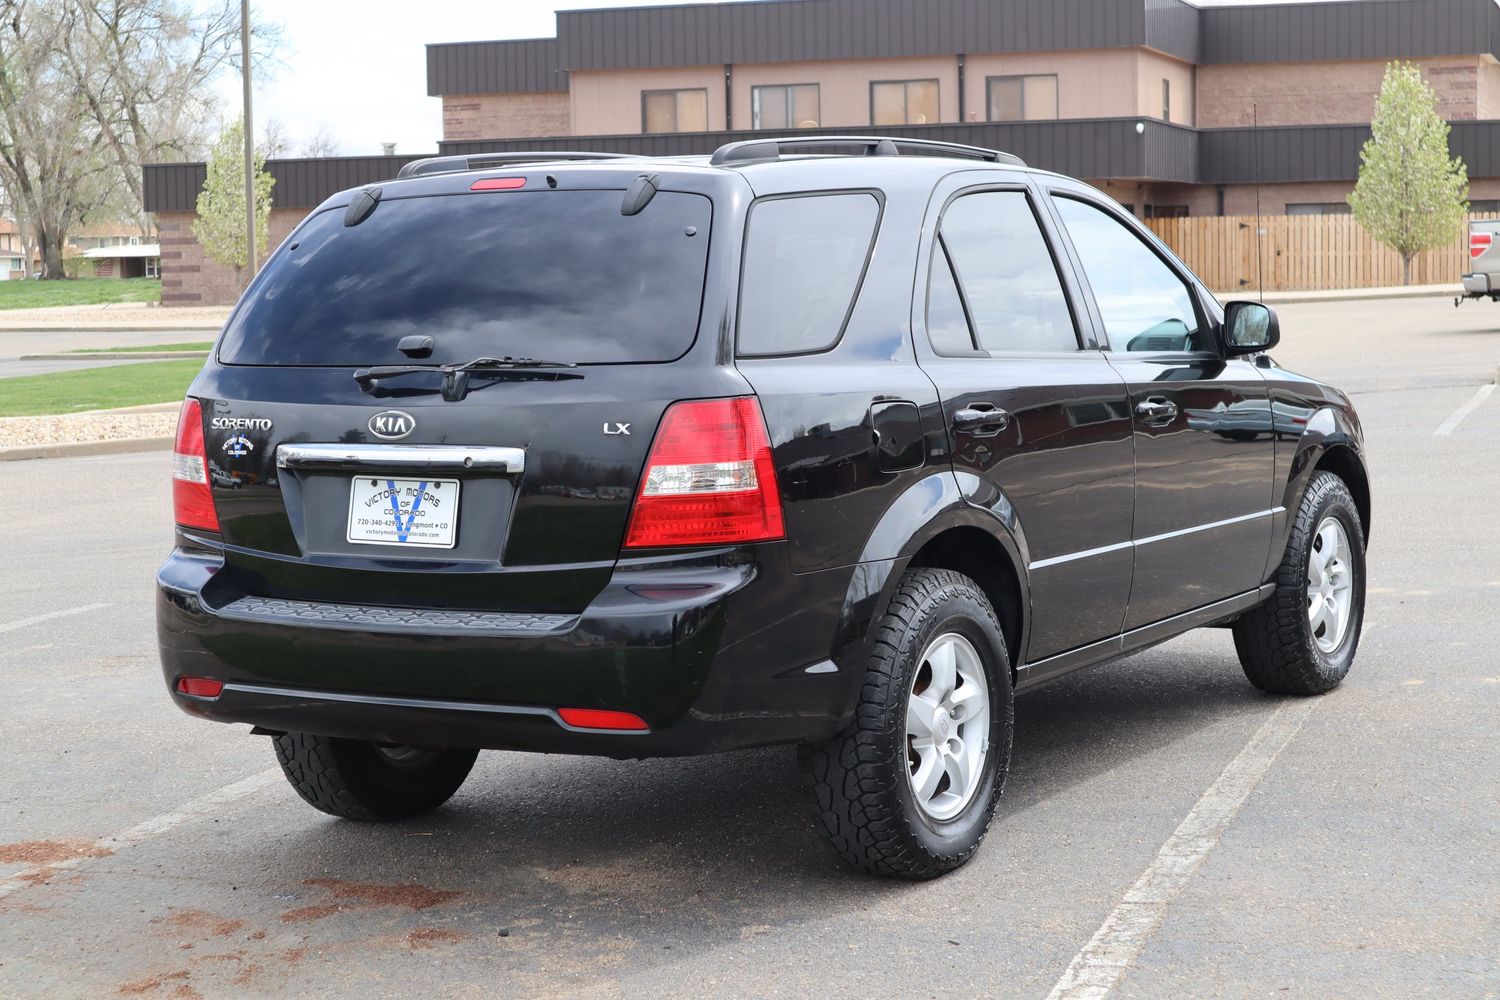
[50, 160]
[272, 142]
[322, 143]
[144, 69]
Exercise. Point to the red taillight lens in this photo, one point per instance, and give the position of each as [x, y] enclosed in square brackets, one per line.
[1479, 243]
[199, 687]
[192, 501]
[600, 718]
[709, 479]
[498, 184]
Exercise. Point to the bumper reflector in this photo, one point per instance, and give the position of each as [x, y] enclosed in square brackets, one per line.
[600, 718]
[199, 687]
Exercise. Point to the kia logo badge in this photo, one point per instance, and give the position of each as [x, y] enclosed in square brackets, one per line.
[392, 424]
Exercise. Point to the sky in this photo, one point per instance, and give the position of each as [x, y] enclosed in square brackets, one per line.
[358, 72]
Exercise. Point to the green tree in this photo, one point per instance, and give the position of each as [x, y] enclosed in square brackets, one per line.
[1411, 195]
[220, 226]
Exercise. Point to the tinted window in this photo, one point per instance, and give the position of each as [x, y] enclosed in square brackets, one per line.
[947, 326]
[1145, 306]
[803, 261]
[1015, 296]
[560, 275]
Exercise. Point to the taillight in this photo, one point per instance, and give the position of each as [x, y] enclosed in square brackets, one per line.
[192, 501]
[709, 479]
[1479, 243]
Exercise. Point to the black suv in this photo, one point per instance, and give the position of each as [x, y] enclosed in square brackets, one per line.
[636, 456]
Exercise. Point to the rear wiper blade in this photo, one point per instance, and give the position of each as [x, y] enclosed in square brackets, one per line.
[483, 364]
[456, 375]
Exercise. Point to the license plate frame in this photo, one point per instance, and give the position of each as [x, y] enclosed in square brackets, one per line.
[424, 514]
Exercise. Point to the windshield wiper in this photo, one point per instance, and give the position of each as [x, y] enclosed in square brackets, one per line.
[456, 375]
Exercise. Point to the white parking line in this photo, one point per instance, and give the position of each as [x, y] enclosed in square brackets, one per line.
[1448, 426]
[1117, 943]
[38, 619]
[154, 827]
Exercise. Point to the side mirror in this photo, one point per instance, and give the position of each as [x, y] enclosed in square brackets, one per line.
[1249, 327]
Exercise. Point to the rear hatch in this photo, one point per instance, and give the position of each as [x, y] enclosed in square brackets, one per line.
[329, 490]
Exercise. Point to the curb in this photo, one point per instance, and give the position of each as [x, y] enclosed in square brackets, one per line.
[209, 332]
[1350, 295]
[117, 356]
[77, 449]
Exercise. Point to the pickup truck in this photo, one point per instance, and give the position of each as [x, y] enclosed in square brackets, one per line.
[1483, 279]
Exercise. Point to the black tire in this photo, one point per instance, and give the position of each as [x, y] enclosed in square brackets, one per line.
[864, 803]
[1277, 645]
[354, 779]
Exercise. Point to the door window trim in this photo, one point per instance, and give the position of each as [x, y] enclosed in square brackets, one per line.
[1206, 325]
[1049, 240]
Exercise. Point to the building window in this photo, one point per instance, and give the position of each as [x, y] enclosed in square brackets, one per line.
[153, 267]
[1166, 211]
[1166, 100]
[1483, 206]
[674, 110]
[1022, 98]
[1318, 208]
[904, 102]
[789, 106]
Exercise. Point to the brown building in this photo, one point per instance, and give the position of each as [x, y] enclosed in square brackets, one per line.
[1172, 108]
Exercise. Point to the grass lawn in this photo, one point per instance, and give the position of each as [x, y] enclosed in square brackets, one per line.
[77, 292]
[205, 345]
[96, 388]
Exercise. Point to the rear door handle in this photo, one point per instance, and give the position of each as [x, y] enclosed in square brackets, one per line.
[982, 419]
[1157, 410]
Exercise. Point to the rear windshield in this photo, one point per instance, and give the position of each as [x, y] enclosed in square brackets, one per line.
[557, 275]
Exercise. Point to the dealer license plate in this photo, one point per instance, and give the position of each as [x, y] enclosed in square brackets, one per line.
[416, 512]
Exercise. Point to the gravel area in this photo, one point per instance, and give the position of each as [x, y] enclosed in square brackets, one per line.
[133, 315]
[68, 428]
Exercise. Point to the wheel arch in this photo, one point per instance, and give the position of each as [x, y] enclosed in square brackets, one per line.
[1344, 462]
[1330, 442]
[933, 525]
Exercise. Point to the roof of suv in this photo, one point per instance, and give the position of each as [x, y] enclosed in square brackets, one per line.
[795, 162]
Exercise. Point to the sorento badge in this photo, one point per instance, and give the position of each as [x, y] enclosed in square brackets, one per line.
[392, 424]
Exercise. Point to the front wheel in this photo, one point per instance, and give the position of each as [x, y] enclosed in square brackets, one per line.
[1303, 640]
[909, 788]
[354, 779]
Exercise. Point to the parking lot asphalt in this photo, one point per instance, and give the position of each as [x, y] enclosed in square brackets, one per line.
[1358, 860]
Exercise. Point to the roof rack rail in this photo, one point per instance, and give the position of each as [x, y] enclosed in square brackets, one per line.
[478, 161]
[873, 145]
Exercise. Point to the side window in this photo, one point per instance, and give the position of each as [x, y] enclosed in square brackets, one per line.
[1144, 304]
[804, 259]
[1007, 274]
[947, 326]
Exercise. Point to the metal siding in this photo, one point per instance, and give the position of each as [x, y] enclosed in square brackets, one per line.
[527, 65]
[801, 30]
[1355, 29]
[174, 187]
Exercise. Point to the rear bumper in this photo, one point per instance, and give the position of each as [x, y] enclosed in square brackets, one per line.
[715, 652]
[1477, 284]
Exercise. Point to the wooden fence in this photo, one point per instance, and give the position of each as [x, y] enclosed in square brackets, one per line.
[1300, 252]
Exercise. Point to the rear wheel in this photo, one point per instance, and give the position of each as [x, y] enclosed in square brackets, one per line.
[909, 788]
[355, 779]
[1303, 640]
